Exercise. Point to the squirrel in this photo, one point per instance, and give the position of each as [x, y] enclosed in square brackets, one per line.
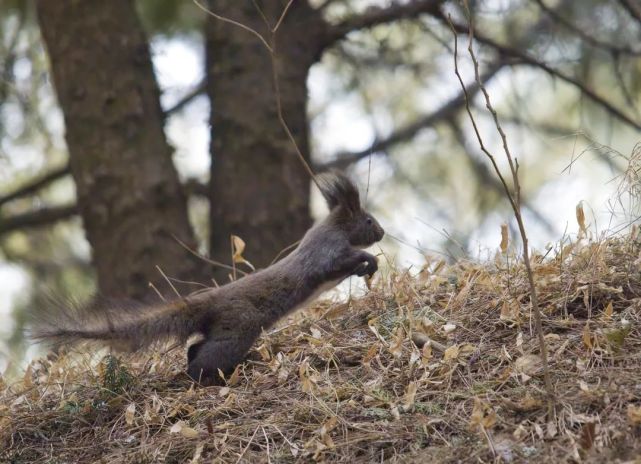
[231, 317]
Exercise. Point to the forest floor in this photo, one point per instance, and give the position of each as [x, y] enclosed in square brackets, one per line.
[443, 366]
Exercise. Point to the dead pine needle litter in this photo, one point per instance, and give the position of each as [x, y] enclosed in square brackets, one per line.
[437, 366]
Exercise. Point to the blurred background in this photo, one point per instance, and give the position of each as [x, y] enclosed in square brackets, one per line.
[135, 134]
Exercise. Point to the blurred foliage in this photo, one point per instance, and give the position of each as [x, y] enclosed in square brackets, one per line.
[378, 81]
[170, 17]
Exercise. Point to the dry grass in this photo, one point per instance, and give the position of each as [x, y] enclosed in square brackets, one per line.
[439, 367]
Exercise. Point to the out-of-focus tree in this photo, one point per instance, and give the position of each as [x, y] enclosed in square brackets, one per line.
[558, 69]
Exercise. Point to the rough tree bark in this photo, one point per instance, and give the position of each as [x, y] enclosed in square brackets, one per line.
[128, 192]
[259, 187]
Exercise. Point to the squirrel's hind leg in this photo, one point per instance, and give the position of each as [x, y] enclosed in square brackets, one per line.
[206, 357]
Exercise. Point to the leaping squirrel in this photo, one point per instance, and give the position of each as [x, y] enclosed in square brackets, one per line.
[231, 317]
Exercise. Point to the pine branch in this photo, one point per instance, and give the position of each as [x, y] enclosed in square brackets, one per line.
[37, 218]
[35, 184]
[447, 111]
[633, 9]
[375, 16]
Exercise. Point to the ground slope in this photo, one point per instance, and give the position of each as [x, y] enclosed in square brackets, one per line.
[437, 367]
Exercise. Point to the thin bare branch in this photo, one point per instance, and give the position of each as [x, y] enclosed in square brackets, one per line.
[282, 16]
[187, 98]
[35, 184]
[235, 23]
[49, 215]
[447, 111]
[532, 61]
[514, 198]
[37, 218]
[375, 16]
[42, 181]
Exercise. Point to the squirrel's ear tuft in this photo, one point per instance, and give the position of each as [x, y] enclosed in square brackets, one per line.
[339, 190]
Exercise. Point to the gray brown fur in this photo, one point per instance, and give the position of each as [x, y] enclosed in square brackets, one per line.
[230, 318]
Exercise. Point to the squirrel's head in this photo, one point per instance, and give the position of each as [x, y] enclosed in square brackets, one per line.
[345, 209]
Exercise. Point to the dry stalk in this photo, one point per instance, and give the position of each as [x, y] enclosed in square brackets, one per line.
[513, 197]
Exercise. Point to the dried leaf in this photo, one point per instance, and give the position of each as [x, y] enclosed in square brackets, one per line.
[634, 414]
[509, 312]
[526, 404]
[519, 341]
[587, 435]
[183, 429]
[197, 454]
[580, 219]
[609, 310]
[506, 314]
[327, 427]
[316, 333]
[264, 352]
[583, 385]
[238, 247]
[305, 378]
[552, 429]
[27, 382]
[396, 347]
[586, 336]
[235, 376]
[530, 365]
[129, 413]
[373, 351]
[426, 354]
[410, 395]
[372, 326]
[504, 238]
[451, 353]
[482, 415]
[449, 327]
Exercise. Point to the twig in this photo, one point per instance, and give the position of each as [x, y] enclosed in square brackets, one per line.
[284, 250]
[235, 23]
[514, 198]
[168, 281]
[246, 447]
[206, 259]
[532, 61]
[42, 181]
[187, 98]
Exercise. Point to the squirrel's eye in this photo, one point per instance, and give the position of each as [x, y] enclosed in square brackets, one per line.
[369, 221]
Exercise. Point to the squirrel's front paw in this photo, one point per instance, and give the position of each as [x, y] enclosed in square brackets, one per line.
[367, 267]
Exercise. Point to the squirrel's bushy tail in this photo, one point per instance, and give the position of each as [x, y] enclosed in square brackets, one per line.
[124, 324]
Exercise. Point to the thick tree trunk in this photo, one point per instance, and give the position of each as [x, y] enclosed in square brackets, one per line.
[128, 190]
[259, 187]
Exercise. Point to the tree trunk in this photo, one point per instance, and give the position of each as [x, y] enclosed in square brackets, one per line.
[128, 191]
[259, 187]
